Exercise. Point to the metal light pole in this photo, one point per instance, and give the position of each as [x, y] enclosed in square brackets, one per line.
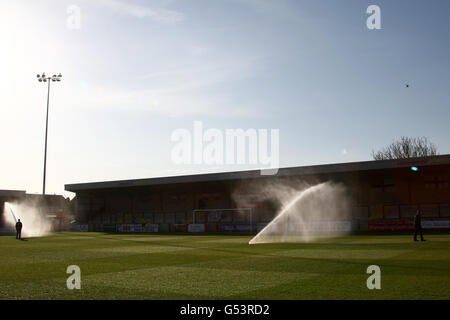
[44, 78]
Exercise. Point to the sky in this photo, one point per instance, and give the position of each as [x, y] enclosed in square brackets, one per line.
[135, 71]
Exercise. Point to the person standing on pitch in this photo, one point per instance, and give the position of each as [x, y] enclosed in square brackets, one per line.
[418, 226]
[19, 230]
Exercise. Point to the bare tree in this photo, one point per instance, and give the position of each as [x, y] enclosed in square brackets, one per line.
[406, 147]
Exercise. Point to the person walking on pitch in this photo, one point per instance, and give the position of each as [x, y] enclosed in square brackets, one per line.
[19, 230]
[418, 226]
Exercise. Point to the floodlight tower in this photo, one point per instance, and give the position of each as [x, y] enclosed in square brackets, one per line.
[43, 78]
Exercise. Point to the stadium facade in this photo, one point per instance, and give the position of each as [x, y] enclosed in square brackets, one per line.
[54, 207]
[384, 196]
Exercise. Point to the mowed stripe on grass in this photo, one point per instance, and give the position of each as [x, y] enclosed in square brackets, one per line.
[115, 266]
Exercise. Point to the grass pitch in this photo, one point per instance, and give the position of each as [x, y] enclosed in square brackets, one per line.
[128, 266]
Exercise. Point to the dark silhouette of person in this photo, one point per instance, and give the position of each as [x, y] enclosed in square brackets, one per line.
[418, 226]
[19, 230]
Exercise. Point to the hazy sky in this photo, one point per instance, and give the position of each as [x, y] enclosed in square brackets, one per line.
[137, 70]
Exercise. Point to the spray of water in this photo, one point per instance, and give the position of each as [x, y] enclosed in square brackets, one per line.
[8, 206]
[34, 223]
[314, 212]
